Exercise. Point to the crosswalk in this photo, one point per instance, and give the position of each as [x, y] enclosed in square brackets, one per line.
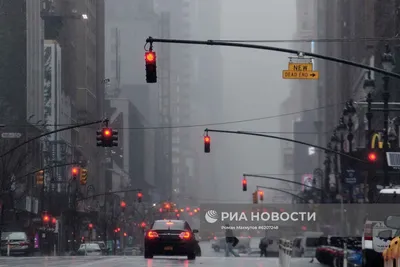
[139, 261]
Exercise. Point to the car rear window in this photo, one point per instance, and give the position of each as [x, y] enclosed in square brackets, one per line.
[166, 225]
[312, 242]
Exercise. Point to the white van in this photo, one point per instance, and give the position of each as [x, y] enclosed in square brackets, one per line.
[306, 245]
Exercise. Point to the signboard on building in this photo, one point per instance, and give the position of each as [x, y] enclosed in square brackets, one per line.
[307, 181]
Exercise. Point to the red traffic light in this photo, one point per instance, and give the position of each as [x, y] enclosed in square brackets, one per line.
[115, 230]
[207, 139]
[143, 224]
[53, 220]
[150, 57]
[119, 229]
[107, 132]
[123, 204]
[372, 157]
[125, 234]
[90, 226]
[46, 218]
[139, 195]
[75, 171]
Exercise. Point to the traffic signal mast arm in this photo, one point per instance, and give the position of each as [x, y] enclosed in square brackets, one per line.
[110, 193]
[49, 133]
[152, 40]
[280, 179]
[285, 139]
[280, 190]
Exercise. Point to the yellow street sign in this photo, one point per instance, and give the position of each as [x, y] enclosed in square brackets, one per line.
[300, 75]
[301, 66]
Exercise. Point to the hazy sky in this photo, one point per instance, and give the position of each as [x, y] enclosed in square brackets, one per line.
[253, 86]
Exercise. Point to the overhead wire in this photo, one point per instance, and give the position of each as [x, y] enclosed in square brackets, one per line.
[197, 125]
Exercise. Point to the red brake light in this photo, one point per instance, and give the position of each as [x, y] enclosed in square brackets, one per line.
[152, 234]
[185, 235]
[368, 231]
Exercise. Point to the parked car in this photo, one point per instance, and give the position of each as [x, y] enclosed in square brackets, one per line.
[18, 241]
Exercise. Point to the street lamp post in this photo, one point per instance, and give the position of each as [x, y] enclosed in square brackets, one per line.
[335, 142]
[388, 64]
[348, 114]
[327, 164]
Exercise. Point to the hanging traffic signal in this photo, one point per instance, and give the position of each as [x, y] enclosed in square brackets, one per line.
[107, 137]
[75, 172]
[53, 221]
[261, 195]
[45, 218]
[40, 177]
[114, 138]
[372, 157]
[151, 66]
[207, 144]
[244, 184]
[255, 197]
[123, 206]
[139, 197]
[90, 226]
[83, 178]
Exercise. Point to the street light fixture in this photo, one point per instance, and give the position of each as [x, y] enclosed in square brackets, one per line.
[85, 16]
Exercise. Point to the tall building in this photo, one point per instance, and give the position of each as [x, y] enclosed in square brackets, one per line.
[181, 91]
[128, 25]
[207, 95]
[296, 158]
[78, 26]
[21, 79]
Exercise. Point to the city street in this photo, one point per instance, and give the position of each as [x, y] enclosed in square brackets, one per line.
[210, 259]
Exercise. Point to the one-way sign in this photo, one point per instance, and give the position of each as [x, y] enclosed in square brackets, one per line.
[11, 135]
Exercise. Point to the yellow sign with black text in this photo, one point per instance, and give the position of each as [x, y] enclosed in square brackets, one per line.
[300, 67]
[300, 75]
[377, 137]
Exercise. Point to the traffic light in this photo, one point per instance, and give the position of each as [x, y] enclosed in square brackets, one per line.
[125, 234]
[53, 221]
[75, 172]
[139, 197]
[114, 138]
[90, 226]
[84, 174]
[261, 195]
[123, 206]
[244, 184]
[207, 144]
[45, 218]
[151, 66]
[40, 177]
[372, 157]
[107, 137]
[255, 198]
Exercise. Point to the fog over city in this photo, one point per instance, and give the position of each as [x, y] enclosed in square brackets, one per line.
[227, 84]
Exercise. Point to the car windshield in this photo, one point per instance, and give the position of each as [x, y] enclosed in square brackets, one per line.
[168, 225]
[13, 236]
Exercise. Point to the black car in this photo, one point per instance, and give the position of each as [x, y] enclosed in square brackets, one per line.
[170, 238]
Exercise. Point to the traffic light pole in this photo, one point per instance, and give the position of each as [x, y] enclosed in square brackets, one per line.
[283, 191]
[287, 140]
[51, 132]
[151, 40]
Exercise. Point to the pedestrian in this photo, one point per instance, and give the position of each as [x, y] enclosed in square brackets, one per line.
[230, 242]
[263, 246]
